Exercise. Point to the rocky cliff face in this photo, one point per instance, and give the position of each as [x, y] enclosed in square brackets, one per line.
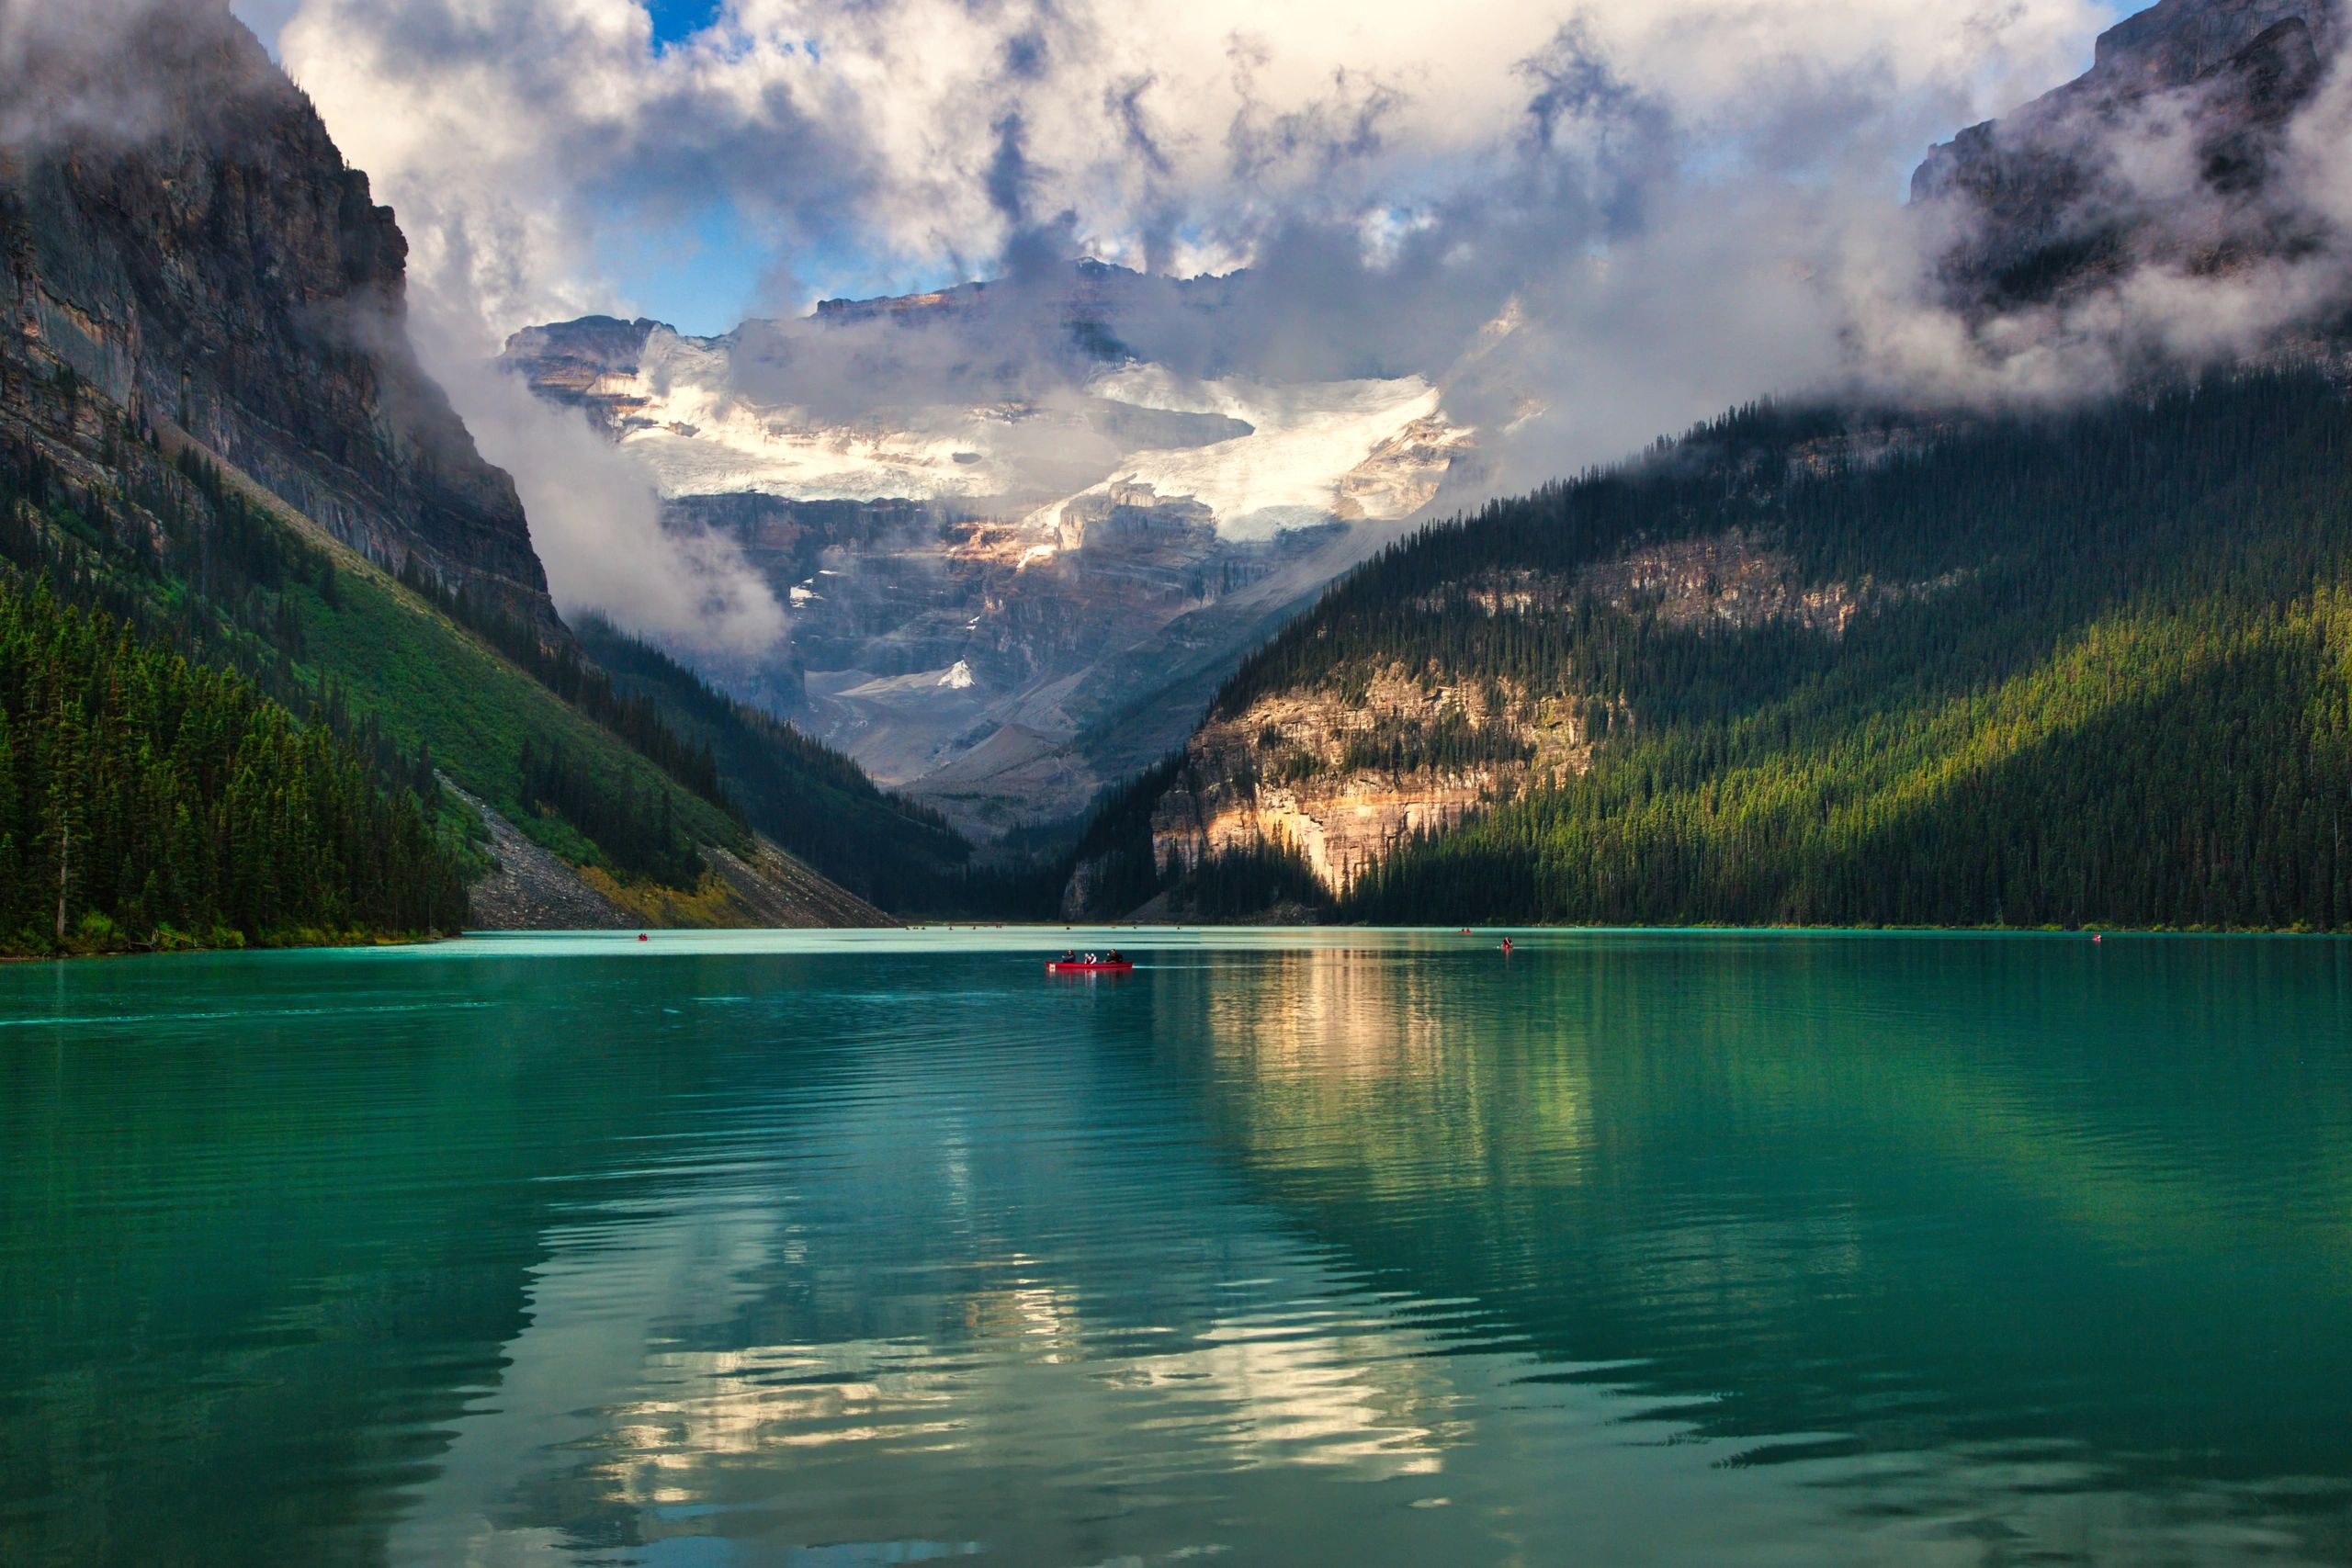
[1345, 772]
[213, 265]
[1343, 777]
[2165, 152]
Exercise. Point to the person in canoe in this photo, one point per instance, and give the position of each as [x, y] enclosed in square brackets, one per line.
[1070, 955]
[1113, 957]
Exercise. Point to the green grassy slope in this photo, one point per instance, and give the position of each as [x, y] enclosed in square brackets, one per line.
[149, 803]
[208, 565]
[431, 684]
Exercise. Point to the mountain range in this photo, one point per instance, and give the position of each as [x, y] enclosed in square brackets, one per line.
[1018, 552]
[285, 666]
[1840, 664]
[1025, 528]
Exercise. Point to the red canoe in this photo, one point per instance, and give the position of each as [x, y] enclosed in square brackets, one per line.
[1055, 966]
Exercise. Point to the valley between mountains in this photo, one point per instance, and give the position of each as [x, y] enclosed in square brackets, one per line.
[1095, 608]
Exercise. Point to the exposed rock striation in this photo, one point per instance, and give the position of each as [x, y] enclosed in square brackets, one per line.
[1334, 774]
[214, 265]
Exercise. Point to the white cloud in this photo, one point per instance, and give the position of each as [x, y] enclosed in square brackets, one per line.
[1397, 174]
[1675, 204]
[516, 136]
[596, 522]
[1679, 203]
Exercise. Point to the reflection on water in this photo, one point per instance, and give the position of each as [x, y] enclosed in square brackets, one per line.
[1346, 1247]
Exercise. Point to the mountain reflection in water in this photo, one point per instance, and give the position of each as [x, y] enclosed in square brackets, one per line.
[1292, 1246]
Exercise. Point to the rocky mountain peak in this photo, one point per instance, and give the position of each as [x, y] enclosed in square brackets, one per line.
[211, 263]
[1021, 551]
[2174, 44]
[2162, 152]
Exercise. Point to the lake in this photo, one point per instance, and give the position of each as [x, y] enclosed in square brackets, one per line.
[843, 1250]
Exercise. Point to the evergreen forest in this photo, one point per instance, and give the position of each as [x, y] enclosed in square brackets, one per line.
[149, 802]
[2102, 676]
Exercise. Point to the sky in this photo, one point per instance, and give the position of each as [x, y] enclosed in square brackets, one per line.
[700, 236]
[704, 272]
[702, 277]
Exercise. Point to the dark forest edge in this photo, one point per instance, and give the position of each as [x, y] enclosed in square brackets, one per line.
[173, 778]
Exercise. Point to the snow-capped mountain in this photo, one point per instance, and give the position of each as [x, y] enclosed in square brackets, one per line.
[1023, 530]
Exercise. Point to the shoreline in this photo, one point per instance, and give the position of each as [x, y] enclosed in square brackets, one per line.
[1146, 932]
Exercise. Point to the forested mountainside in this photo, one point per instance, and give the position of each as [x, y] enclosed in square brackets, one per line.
[809, 798]
[1823, 666]
[209, 571]
[146, 801]
[220, 461]
[2083, 669]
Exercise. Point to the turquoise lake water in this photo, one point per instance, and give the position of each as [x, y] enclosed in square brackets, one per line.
[1340, 1247]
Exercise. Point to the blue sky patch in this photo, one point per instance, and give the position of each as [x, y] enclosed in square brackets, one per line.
[675, 19]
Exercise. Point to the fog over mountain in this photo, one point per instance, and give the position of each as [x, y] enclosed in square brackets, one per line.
[1677, 205]
[1345, 268]
[1022, 527]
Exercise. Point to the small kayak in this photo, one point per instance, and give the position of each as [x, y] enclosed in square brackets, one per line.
[1056, 966]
